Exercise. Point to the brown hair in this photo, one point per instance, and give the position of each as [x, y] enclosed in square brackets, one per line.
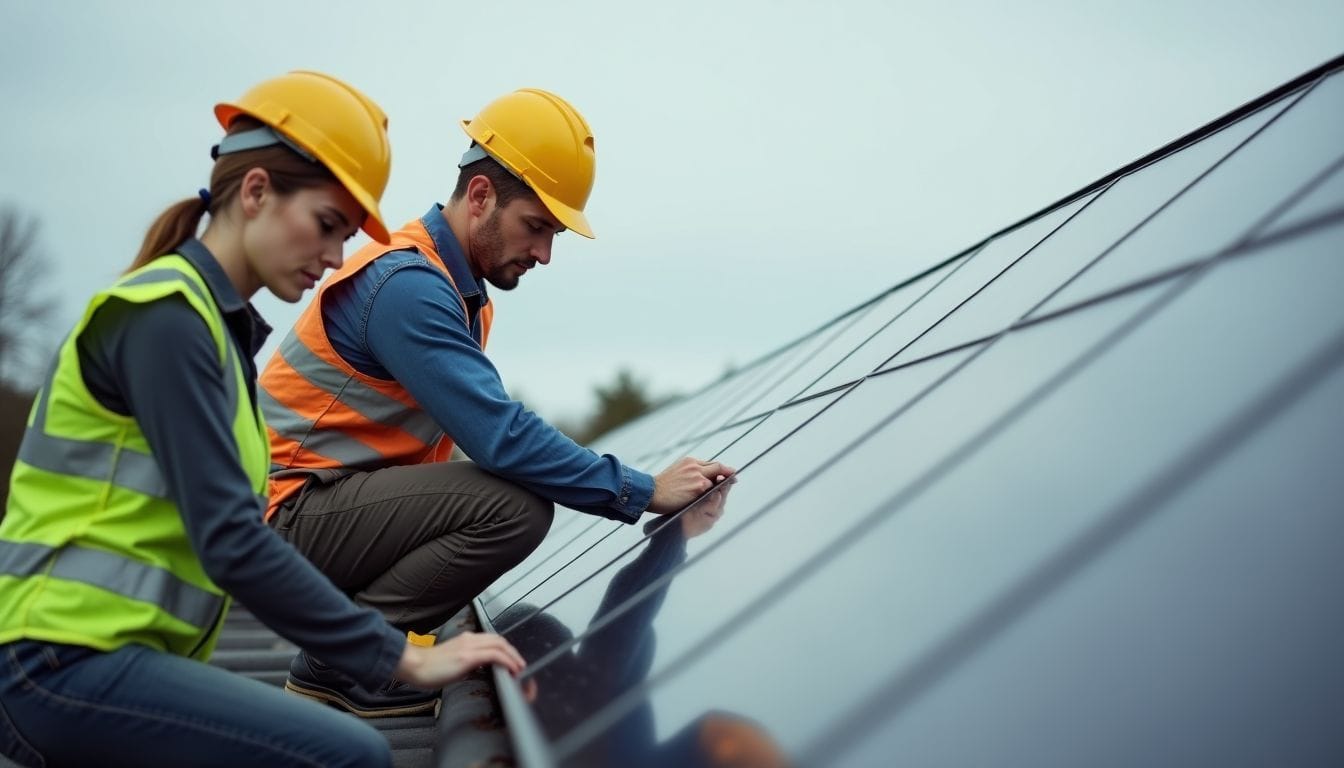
[288, 171]
[507, 186]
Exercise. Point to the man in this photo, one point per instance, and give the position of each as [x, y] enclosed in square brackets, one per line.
[385, 371]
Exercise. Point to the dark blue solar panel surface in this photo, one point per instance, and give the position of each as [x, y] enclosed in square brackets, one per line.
[944, 549]
[1070, 498]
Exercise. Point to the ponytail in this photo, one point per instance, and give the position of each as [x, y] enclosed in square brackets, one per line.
[170, 230]
[287, 170]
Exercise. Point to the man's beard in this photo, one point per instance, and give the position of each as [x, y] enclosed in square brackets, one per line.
[489, 246]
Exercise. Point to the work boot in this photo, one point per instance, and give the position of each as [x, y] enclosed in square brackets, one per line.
[312, 679]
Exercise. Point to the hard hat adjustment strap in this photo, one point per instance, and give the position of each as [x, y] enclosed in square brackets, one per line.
[257, 138]
[477, 152]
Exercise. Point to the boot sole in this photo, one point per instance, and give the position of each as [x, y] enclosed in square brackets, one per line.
[323, 696]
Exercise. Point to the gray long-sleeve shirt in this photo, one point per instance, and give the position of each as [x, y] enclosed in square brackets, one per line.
[158, 363]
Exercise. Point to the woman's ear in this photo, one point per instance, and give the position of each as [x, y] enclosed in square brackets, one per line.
[254, 191]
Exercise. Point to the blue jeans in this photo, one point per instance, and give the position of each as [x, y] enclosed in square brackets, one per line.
[69, 705]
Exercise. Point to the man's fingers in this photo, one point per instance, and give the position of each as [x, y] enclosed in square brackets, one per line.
[716, 470]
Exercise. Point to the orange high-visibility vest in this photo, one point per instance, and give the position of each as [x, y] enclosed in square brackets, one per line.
[326, 418]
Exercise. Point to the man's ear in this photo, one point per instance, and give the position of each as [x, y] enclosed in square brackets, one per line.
[254, 191]
[480, 196]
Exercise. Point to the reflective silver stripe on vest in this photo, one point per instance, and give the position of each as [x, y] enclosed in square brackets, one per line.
[105, 462]
[366, 401]
[328, 443]
[114, 573]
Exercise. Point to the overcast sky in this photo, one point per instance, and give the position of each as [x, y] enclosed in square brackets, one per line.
[762, 166]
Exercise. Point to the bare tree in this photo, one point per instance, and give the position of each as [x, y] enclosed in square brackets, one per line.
[25, 312]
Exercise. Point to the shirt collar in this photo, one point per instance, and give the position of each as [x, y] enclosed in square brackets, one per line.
[450, 252]
[226, 296]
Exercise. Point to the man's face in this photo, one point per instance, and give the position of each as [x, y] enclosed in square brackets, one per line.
[512, 240]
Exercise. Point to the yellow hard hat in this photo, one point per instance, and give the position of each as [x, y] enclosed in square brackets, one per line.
[544, 141]
[332, 122]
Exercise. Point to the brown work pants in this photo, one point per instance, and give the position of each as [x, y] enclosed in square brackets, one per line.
[415, 542]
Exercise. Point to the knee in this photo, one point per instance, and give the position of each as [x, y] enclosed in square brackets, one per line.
[365, 746]
[536, 515]
[529, 517]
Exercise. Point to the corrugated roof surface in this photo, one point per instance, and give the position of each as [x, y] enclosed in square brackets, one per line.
[467, 730]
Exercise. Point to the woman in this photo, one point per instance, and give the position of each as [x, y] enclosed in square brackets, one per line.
[135, 507]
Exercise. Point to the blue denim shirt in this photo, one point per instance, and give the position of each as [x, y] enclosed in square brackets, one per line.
[400, 318]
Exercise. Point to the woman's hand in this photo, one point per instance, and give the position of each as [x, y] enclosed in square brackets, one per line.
[435, 666]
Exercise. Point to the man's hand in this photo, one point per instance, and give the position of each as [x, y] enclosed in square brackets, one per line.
[684, 482]
[435, 666]
[705, 513]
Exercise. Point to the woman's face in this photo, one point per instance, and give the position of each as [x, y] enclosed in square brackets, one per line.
[294, 238]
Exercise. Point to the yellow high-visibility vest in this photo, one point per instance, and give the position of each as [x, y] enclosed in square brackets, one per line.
[92, 550]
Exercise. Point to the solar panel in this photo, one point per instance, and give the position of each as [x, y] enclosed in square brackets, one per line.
[1069, 497]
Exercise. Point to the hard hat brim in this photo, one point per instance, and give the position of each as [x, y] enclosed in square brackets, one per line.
[573, 219]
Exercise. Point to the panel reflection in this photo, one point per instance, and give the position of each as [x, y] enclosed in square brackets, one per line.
[617, 656]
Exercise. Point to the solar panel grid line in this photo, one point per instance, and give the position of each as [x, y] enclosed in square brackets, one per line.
[853, 311]
[615, 709]
[759, 420]
[1326, 196]
[842, 343]
[799, 361]
[621, 554]
[672, 430]
[1247, 247]
[687, 446]
[696, 439]
[903, 364]
[539, 564]
[658, 428]
[709, 419]
[900, 691]
[824, 374]
[991, 280]
[1334, 170]
[1078, 283]
[513, 625]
